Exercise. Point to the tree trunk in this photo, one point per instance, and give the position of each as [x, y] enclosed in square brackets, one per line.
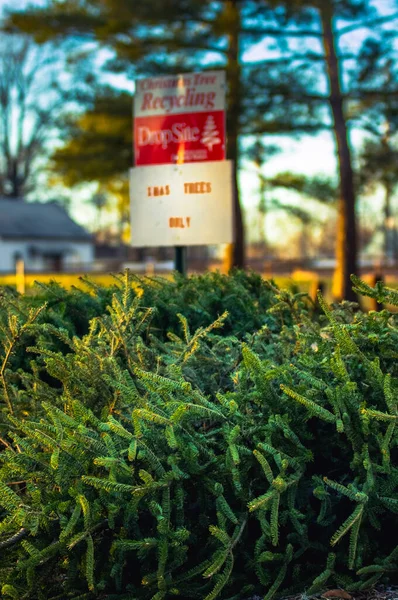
[388, 225]
[389, 241]
[233, 114]
[346, 248]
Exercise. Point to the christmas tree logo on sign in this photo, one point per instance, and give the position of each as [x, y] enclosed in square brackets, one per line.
[210, 135]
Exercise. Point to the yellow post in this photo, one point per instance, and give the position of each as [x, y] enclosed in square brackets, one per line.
[20, 275]
[227, 262]
[150, 268]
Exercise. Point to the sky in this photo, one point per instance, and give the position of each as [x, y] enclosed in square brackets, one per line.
[310, 154]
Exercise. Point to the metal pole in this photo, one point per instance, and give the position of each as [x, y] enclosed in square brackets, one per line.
[181, 259]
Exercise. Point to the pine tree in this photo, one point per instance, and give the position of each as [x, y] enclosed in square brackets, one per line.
[177, 460]
[187, 33]
[210, 134]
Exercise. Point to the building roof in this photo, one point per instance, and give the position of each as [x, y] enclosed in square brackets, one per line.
[37, 220]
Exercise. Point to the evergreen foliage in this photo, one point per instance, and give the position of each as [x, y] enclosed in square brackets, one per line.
[160, 448]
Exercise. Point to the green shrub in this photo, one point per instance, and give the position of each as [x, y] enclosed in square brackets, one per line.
[46, 329]
[219, 461]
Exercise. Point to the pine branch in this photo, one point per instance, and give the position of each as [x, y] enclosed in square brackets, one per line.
[310, 405]
[14, 539]
[352, 520]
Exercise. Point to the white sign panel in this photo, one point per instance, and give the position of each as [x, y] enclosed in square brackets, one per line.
[181, 205]
[185, 93]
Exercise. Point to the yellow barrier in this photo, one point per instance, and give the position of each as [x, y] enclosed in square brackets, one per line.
[67, 280]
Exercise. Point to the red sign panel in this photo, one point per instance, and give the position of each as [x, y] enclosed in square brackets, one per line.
[188, 137]
[180, 119]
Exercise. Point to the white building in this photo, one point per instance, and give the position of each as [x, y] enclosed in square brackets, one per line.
[43, 236]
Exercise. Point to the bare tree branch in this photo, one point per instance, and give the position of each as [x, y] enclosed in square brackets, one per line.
[272, 31]
[367, 23]
[32, 98]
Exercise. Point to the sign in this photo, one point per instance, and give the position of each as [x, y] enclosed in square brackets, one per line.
[181, 205]
[180, 119]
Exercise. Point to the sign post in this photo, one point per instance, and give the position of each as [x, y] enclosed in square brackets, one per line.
[181, 191]
[181, 259]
